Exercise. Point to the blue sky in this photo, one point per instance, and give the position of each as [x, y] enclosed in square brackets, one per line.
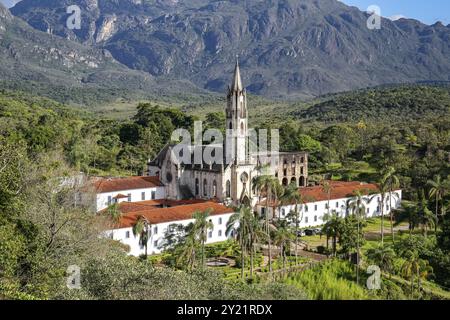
[427, 11]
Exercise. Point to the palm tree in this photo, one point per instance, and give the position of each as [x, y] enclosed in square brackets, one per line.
[141, 228]
[438, 190]
[115, 215]
[425, 216]
[331, 228]
[392, 182]
[357, 205]
[282, 238]
[327, 188]
[383, 188]
[414, 267]
[241, 224]
[383, 256]
[188, 253]
[266, 183]
[277, 194]
[200, 228]
[411, 214]
[292, 195]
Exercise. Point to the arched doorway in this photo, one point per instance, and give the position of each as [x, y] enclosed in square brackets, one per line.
[294, 180]
[285, 182]
[302, 181]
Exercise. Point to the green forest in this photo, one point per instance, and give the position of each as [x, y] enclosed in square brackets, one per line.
[398, 134]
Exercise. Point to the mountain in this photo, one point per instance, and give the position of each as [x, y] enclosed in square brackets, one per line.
[69, 71]
[296, 48]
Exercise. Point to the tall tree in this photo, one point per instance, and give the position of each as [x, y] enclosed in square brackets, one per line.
[392, 182]
[241, 224]
[282, 239]
[266, 184]
[200, 228]
[141, 229]
[438, 189]
[292, 196]
[331, 228]
[357, 205]
[383, 188]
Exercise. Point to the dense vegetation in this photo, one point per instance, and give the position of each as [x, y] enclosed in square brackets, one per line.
[393, 104]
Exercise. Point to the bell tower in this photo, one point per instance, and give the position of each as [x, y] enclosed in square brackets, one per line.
[237, 119]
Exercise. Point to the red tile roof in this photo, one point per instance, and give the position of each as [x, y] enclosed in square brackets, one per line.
[177, 213]
[102, 185]
[128, 207]
[339, 190]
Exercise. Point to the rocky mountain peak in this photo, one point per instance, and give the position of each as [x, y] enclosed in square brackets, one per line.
[287, 47]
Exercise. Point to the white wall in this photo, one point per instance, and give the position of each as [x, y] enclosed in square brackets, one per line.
[125, 235]
[314, 213]
[136, 195]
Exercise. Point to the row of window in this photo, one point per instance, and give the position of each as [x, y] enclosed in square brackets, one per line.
[155, 243]
[205, 188]
[112, 200]
[283, 211]
[172, 228]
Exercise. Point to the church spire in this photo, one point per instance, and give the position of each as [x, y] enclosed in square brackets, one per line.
[237, 81]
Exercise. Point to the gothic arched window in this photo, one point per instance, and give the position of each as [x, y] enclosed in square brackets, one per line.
[214, 188]
[228, 189]
[205, 187]
[242, 128]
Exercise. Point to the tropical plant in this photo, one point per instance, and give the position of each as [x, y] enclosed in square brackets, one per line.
[114, 213]
[414, 267]
[141, 228]
[383, 256]
[392, 181]
[331, 229]
[241, 225]
[292, 195]
[357, 206]
[282, 239]
[383, 188]
[200, 228]
[438, 189]
[266, 183]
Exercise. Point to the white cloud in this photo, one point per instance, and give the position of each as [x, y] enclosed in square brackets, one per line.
[397, 17]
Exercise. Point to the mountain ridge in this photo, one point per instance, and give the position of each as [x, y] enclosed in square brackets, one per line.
[287, 48]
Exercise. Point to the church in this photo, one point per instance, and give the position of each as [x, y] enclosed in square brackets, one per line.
[228, 182]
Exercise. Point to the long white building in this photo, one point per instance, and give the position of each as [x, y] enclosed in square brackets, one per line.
[314, 206]
[129, 189]
[164, 217]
